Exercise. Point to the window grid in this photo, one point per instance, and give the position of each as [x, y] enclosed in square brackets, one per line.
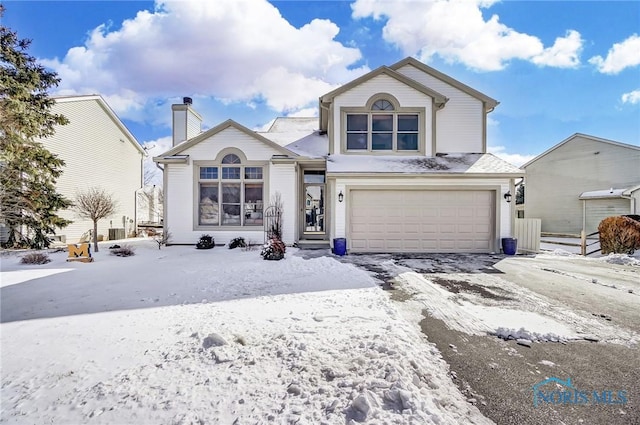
[208, 173]
[392, 132]
[223, 203]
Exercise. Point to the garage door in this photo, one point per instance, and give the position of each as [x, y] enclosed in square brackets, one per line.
[421, 221]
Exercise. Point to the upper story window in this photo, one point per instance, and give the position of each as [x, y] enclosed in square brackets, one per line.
[383, 128]
[230, 193]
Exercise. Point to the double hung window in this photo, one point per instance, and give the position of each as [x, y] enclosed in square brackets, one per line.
[382, 129]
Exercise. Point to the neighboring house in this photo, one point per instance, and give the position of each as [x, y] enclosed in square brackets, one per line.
[580, 181]
[397, 162]
[98, 151]
[149, 212]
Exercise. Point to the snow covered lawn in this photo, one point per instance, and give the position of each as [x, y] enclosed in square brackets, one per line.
[185, 336]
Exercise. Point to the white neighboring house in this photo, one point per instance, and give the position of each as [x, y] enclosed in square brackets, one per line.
[149, 206]
[395, 162]
[99, 151]
[580, 181]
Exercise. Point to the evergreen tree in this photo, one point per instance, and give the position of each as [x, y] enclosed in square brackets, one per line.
[28, 171]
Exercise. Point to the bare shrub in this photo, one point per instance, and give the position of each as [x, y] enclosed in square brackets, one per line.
[35, 258]
[619, 235]
[123, 251]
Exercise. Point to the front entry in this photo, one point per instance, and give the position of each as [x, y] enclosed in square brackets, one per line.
[314, 196]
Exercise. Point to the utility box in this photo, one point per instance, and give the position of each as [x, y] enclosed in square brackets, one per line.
[115, 234]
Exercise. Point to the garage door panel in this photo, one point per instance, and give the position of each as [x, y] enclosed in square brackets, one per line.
[421, 220]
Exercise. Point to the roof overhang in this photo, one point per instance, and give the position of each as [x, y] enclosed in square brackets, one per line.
[171, 159]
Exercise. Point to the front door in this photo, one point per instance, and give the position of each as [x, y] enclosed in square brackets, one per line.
[314, 195]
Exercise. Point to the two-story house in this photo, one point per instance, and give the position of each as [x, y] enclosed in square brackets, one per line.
[397, 163]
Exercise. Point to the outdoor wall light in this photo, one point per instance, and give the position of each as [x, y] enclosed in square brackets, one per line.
[340, 196]
[507, 196]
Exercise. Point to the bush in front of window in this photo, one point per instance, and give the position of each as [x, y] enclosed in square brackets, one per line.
[237, 243]
[274, 249]
[205, 242]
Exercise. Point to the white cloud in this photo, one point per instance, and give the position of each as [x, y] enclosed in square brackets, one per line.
[152, 173]
[456, 31]
[620, 56]
[512, 158]
[565, 52]
[231, 50]
[632, 97]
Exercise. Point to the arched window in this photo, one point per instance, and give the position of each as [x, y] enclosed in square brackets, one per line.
[382, 105]
[231, 159]
[233, 197]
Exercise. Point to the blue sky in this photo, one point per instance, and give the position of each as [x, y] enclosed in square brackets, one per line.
[557, 67]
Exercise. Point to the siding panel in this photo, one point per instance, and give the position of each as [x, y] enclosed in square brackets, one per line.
[358, 96]
[555, 181]
[459, 125]
[97, 153]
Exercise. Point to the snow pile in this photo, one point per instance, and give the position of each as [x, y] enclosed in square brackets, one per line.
[522, 333]
[622, 259]
[179, 336]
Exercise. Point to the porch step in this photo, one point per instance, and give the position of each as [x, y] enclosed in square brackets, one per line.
[310, 244]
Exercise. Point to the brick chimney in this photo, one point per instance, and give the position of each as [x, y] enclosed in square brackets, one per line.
[187, 123]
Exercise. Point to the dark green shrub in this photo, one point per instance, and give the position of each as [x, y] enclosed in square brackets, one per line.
[205, 242]
[237, 243]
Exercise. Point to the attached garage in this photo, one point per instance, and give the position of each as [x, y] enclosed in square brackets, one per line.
[421, 220]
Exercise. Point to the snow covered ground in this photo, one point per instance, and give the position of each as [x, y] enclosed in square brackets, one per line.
[495, 304]
[185, 336]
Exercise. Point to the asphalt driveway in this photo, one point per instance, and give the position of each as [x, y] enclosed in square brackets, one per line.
[498, 375]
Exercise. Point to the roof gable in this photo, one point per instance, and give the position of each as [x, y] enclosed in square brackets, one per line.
[583, 136]
[110, 113]
[219, 128]
[438, 98]
[490, 102]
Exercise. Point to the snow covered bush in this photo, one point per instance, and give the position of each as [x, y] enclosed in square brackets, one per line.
[123, 251]
[205, 242]
[35, 258]
[619, 235]
[237, 242]
[274, 249]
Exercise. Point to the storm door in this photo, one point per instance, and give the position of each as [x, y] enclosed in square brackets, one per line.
[314, 196]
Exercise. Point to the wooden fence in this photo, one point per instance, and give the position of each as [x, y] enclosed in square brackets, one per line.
[585, 243]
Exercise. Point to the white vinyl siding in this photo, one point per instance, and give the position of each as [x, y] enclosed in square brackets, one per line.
[407, 96]
[193, 126]
[459, 125]
[97, 153]
[599, 209]
[555, 181]
[282, 180]
[181, 192]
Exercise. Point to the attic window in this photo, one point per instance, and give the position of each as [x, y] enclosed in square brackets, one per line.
[382, 105]
[231, 159]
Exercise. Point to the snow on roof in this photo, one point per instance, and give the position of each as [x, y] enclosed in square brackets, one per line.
[442, 163]
[314, 145]
[609, 193]
[285, 130]
[289, 124]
